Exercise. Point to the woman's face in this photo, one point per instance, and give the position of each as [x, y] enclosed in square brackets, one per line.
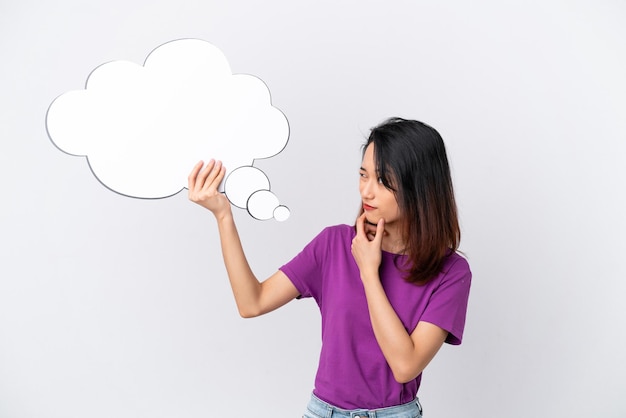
[378, 201]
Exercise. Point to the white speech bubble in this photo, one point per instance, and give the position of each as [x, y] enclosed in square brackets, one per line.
[281, 213]
[242, 182]
[142, 128]
[262, 204]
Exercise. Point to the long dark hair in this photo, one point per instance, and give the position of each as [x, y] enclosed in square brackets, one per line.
[410, 159]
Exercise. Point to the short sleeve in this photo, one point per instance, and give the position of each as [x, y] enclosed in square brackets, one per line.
[305, 270]
[447, 306]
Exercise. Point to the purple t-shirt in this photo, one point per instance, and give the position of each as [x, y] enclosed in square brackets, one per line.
[353, 372]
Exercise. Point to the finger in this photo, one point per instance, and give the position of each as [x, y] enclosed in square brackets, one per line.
[203, 174]
[217, 176]
[191, 179]
[221, 175]
[360, 226]
[214, 177]
[380, 230]
[370, 230]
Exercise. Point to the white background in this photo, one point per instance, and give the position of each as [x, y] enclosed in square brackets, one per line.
[119, 307]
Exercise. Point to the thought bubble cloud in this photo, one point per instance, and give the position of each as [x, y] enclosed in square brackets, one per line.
[142, 128]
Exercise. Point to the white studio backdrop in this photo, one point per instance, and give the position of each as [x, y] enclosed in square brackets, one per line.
[116, 306]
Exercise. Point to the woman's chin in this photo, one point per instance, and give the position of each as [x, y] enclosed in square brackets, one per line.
[372, 220]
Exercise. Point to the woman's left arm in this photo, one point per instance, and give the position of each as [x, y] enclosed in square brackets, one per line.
[407, 354]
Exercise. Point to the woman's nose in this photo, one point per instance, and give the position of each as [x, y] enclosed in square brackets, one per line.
[367, 190]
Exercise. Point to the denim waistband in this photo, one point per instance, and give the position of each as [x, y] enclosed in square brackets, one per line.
[411, 409]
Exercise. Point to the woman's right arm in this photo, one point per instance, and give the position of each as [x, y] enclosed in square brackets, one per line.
[253, 298]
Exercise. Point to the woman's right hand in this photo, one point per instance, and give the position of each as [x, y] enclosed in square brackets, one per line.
[203, 188]
[253, 298]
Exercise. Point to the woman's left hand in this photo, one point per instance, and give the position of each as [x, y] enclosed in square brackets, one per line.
[368, 252]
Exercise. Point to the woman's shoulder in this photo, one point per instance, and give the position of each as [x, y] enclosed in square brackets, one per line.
[455, 257]
[456, 264]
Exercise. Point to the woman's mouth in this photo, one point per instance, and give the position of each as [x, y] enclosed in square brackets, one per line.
[368, 207]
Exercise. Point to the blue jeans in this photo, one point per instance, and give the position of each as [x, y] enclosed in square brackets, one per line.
[320, 409]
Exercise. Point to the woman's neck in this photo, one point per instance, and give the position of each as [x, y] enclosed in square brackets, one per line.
[393, 241]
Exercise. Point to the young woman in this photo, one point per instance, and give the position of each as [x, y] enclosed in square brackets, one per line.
[391, 289]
